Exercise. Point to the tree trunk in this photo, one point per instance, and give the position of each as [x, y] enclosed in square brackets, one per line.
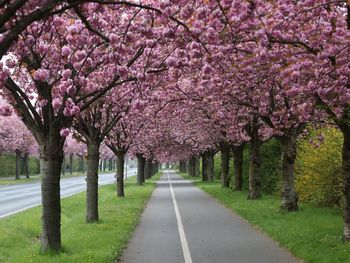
[191, 166]
[120, 174]
[225, 165]
[104, 165]
[37, 168]
[254, 170]
[100, 165]
[182, 167]
[238, 166]
[26, 165]
[154, 168]
[346, 178]
[63, 168]
[210, 166]
[289, 153]
[148, 171]
[204, 168]
[83, 164]
[51, 158]
[140, 169]
[92, 182]
[18, 164]
[71, 164]
[197, 164]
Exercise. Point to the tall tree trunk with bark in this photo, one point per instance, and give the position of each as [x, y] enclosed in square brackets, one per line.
[26, 165]
[18, 164]
[71, 164]
[182, 166]
[140, 169]
[104, 164]
[51, 158]
[204, 168]
[210, 165]
[191, 166]
[157, 167]
[154, 168]
[196, 166]
[255, 183]
[100, 165]
[63, 168]
[83, 164]
[225, 164]
[120, 173]
[289, 154]
[148, 171]
[92, 182]
[238, 166]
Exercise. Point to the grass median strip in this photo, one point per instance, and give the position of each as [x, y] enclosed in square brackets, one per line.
[313, 234]
[100, 242]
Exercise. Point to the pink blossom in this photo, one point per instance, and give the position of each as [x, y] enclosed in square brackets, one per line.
[41, 75]
[122, 71]
[171, 62]
[140, 77]
[66, 51]
[11, 63]
[168, 33]
[64, 132]
[207, 69]
[56, 104]
[5, 110]
[66, 74]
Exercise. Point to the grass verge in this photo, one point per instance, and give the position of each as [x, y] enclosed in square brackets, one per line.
[313, 234]
[100, 242]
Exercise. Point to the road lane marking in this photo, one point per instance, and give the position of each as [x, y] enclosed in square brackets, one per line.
[20, 210]
[185, 249]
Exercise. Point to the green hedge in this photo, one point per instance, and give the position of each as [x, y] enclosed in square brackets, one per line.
[270, 166]
[8, 165]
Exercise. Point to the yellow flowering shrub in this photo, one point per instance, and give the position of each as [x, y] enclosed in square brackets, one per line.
[318, 167]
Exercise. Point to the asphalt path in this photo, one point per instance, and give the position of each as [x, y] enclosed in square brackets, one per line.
[19, 197]
[181, 223]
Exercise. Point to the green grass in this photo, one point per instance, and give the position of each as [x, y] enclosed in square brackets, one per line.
[313, 234]
[21, 181]
[100, 242]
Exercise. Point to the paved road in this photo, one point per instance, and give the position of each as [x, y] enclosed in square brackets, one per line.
[183, 224]
[16, 198]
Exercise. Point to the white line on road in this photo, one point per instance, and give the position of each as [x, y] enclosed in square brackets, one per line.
[185, 249]
[19, 210]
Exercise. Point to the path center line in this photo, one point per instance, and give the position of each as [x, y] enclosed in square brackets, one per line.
[185, 249]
